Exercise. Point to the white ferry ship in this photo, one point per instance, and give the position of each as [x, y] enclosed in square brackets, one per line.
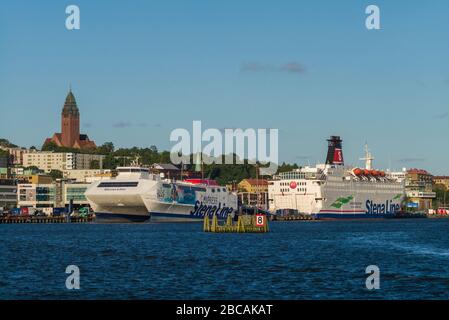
[334, 191]
[136, 195]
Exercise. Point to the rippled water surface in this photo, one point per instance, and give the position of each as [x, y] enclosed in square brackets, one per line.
[296, 260]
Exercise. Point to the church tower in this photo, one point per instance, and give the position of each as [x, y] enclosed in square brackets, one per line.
[70, 121]
[70, 136]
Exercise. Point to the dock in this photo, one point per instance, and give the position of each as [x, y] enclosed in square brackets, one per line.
[44, 219]
[245, 224]
[294, 217]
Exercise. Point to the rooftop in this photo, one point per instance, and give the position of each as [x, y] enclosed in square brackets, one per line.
[418, 171]
[256, 182]
[70, 107]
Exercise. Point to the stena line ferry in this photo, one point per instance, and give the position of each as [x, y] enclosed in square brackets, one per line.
[136, 195]
[335, 191]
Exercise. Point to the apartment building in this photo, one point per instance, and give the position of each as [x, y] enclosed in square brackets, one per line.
[61, 161]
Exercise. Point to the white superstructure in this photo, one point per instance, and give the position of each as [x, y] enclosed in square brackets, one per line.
[137, 195]
[333, 190]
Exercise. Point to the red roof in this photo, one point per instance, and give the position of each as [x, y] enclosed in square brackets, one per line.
[418, 171]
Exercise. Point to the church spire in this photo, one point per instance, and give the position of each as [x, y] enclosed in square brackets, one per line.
[70, 107]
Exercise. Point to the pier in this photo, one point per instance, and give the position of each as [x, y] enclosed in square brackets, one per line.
[245, 224]
[51, 219]
[294, 217]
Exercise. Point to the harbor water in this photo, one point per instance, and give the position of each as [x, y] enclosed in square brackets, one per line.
[296, 260]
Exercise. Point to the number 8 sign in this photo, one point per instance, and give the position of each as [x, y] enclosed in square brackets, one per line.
[260, 220]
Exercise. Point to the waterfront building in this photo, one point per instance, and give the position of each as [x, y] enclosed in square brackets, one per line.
[86, 175]
[21, 172]
[51, 195]
[253, 192]
[48, 160]
[397, 175]
[74, 192]
[37, 179]
[4, 159]
[442, 181]
[4, 165]
[8, 194]
[4, 173]
[70, 136]
[419, 189]
[253, 185]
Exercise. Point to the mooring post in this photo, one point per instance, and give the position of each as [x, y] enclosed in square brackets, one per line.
[206, 224]
[214, 223]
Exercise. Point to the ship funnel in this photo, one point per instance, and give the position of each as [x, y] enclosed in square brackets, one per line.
[334, 151]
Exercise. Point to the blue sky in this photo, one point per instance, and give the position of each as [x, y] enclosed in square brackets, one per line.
[139, 69]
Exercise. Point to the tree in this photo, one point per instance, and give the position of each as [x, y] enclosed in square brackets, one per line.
[284, 167]
[56, 174]
[106, 148]
[442, 196]
[153, 149]
[5, 143]
[94, 164]
[50, 146]
[32, 168]
[110, 162]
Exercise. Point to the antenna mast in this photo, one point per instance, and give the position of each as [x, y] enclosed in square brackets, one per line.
[368, 158]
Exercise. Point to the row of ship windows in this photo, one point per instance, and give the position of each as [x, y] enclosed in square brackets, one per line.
[286, 184]
[367, 185]
[297, 189]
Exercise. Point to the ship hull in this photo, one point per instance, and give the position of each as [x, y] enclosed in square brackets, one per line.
[113, 217]
[176, 212]
[173, 217]
[336, 197]
[350, 216]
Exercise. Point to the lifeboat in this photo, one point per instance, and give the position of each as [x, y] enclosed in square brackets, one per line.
[375, 173]
[382, 173]
[357, 171]
[366, 172]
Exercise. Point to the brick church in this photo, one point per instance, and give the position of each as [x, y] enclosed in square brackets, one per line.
[70, 136]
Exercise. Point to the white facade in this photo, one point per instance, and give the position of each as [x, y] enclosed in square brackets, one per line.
[48, 195]
[85, 175]
[61, 161]
[397, 175]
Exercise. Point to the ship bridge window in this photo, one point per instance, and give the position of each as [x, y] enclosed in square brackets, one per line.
[118, 184]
